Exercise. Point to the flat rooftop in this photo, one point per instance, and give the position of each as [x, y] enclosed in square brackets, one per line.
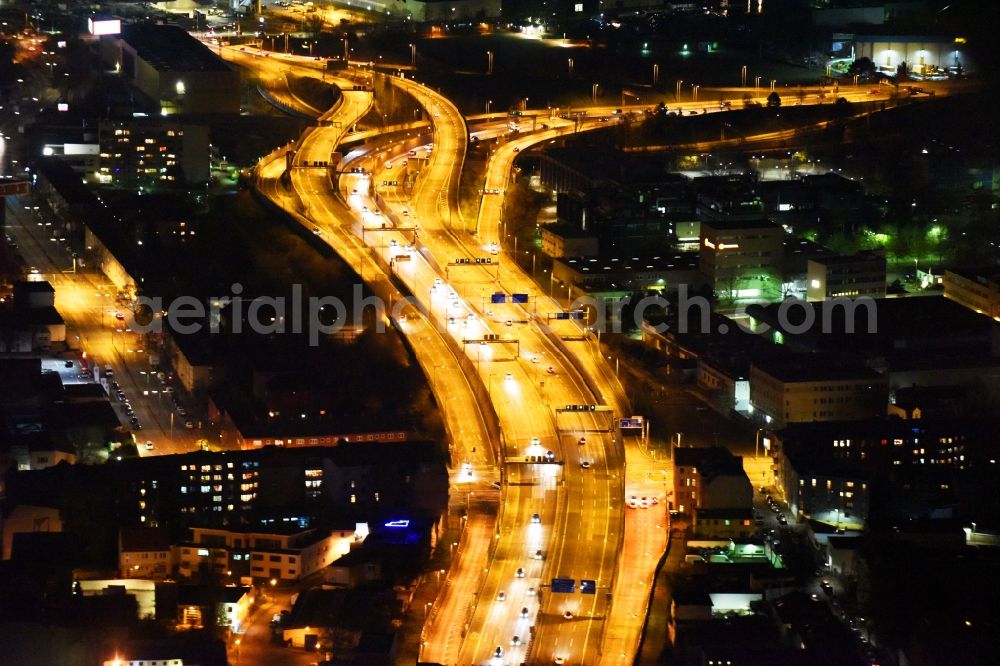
[169, 48]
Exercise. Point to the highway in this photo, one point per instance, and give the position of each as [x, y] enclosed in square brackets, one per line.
[559, 518]
[575, 506]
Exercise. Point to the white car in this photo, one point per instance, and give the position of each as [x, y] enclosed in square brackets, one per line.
[585, 464]
[535, 518]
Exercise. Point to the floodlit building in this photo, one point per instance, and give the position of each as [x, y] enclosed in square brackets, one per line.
[173, 69]
[976, 292]
[814, 387]
[852, 276]
[285, 552]
[741, 259]
[924, 56]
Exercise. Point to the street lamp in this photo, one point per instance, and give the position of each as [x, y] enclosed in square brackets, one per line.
[593, 92]
[677, 93]
[756, 83]
[489, 63]
[743, 77]
[488, 102]
[773, 81]
[569, 66]
[413, 55]
[656, 73]
[694, 97]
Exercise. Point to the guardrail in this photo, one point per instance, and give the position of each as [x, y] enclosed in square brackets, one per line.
[490, 418]
[281, 106]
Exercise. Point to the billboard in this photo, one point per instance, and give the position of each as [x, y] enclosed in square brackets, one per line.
[104, 25]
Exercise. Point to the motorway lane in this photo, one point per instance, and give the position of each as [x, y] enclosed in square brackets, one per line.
[508, 401]
[427, 203]
[428, 200]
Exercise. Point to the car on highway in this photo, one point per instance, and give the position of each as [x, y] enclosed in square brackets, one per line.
[149, 445]
[316, 230]
[585, 464]
[581, 441]
[633, 502]
[560, 660]
[509, 322]
[119, 316]
[550, 370]
[549, 456]
[354, 191]
[502, 596]
[535, 441]
[531, 592]
[388, 165]
[509, 376]
[826, 587]
[524, 612]
[520, 572]
[535, 518]
[412, 153]
[538, 555]
[516, 640]
[498, 653]
[568, 615]
[516, 149]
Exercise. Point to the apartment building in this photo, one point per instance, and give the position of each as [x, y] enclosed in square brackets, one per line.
[285, 553]
[151, 153]
[711, 486]
[741, 258]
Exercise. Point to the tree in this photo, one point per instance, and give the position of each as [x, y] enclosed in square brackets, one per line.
[747, 99]
[842, 107]
[773, 100]
[863, 67]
